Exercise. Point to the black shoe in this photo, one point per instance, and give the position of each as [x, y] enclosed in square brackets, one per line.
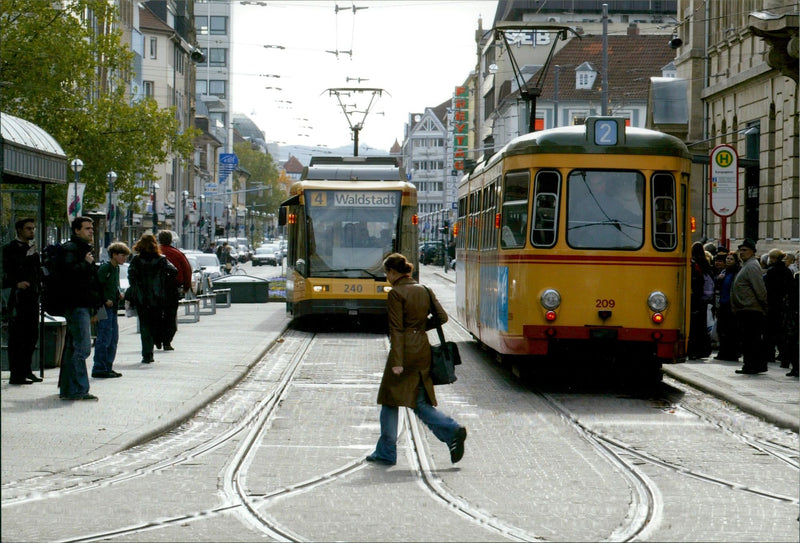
[36, 379]
[158, 344]
[751, 371]
[147, 360]
[20, 382]
[105, 374]
[457, 445]
[793, 373]
[116, 373]
[86, 396]
[168, 347]
[377, 460]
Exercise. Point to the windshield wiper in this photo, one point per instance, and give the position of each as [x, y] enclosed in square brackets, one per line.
[359, 270]
[616, 224]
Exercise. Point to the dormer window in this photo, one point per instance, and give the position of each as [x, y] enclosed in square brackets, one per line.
[585, 75]
[669, 70]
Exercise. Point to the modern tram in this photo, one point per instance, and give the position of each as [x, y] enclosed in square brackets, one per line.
[343, 218]
[574, 240]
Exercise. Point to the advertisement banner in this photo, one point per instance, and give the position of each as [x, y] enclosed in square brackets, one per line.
[75, 200]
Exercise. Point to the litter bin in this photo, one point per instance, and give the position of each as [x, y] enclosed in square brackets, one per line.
[55, 336]
[245, 289]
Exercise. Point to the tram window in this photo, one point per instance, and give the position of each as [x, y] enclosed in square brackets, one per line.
[474, 216]
[515, 210]
[458, 232]
[487, 216]
[605, 209]
[545, 208]
[665, 236]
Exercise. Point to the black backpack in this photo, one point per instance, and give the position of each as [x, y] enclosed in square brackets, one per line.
[53, 293]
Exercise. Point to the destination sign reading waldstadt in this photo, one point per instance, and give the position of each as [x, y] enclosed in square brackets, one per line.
[354, 199]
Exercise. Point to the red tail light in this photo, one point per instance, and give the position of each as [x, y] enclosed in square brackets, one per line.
[550, 315]
[414, 219]
[658, 318]
[497, 221]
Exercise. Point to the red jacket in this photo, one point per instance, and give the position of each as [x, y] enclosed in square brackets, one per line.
[179, 260]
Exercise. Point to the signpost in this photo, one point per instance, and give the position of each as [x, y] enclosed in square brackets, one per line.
[723, 185]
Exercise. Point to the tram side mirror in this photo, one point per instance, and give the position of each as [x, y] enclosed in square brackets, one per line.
[300, 266]
[281, 216]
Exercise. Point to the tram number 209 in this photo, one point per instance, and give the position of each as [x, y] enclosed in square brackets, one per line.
[604, 303]
[353, 289]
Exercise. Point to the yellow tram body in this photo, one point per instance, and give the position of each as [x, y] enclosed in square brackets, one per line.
[600, 263]
[343, 219]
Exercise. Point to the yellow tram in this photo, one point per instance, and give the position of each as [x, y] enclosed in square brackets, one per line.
[343, 218]
[575, 240]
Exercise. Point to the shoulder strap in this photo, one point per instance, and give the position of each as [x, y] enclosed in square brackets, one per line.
[439, 330]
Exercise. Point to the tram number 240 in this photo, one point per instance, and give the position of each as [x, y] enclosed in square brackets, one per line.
[353, 289]
[604, 303]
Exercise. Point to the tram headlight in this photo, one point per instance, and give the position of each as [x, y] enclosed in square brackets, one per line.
[550, 299]
[321, 288]
[657, 301]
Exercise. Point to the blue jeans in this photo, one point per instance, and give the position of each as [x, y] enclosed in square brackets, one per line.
[73, 379]
[442, 426]
[105, 344]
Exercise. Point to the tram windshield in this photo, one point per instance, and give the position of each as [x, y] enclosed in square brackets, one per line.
[605, 209]
[351, 232]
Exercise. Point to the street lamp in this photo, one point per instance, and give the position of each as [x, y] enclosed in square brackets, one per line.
[201, 223]
[185, 218]
[111, 177]
[77, 166]
[155, 213]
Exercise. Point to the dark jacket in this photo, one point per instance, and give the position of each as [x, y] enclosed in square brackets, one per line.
[778, 281]
[151, 280]
[21, 263]
[408, 306]
[108, 274]
[79, 277]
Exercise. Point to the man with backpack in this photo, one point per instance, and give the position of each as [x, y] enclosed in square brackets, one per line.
[82, 297]
[21, 278]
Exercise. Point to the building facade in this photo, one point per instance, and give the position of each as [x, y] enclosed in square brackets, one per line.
[741, 62]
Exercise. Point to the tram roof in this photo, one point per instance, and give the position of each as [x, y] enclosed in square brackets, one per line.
[578, 140]
[367, 168]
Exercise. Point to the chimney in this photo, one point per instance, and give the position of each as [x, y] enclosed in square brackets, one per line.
[633, 29]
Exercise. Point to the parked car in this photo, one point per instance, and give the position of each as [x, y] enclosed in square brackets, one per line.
[209, 264]
[431, 252]
[266, 254]
[197, 272]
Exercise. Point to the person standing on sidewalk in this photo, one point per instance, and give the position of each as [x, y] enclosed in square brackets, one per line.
[778, 280]
[699, 340]
[148, 276]
[749, 305]
[729, 342]
[21, 272]
[82, 297]
[406, 379]
[105, 344]
[169, 325]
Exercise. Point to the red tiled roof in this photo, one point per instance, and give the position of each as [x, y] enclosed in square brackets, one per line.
[632, 61]
[293, 165]
[150, 21]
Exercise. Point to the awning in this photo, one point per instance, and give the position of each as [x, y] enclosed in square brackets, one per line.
[29, 154]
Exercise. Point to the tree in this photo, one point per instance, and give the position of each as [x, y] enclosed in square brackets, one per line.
[263, 175]
[64, 68]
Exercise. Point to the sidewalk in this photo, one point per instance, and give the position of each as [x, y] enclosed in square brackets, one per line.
[770, 396]
[41, 433]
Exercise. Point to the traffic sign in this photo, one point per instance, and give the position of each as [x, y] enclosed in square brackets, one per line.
[723, 185]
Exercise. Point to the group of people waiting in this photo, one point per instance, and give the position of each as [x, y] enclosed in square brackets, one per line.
[752, 304]
[159, 275]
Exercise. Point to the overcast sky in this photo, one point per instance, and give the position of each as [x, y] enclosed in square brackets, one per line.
[416, 52]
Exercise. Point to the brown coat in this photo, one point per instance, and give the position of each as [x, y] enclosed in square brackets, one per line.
[409, 306]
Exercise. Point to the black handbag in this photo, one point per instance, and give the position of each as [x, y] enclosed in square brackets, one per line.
[445, 356]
